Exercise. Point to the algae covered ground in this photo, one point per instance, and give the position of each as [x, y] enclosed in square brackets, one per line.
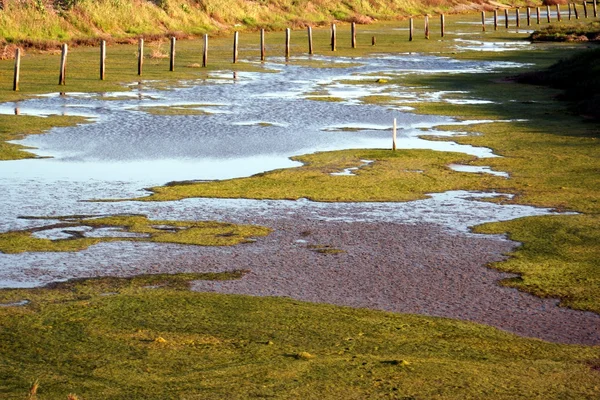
[148, 337]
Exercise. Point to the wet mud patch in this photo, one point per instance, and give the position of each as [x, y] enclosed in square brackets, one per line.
[74, 233]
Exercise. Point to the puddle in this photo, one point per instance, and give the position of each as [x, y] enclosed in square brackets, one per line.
[15, 304]
[256, 122]
[350, 171]
[477, 170]
[476, 45]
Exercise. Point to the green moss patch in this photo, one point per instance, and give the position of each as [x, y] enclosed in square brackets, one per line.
[203, 233]
[115, 339]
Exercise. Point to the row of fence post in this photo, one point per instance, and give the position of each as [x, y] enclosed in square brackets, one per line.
[353, 33]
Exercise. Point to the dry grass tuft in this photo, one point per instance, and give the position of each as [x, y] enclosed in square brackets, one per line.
[33, 390]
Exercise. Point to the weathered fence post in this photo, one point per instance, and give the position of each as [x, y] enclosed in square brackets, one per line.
[205, 52]
[288, 33]
[575, 11]
[353, 34]
[262, 45]
[427, 26]
[537, 12]
[236, 37]
[102, 59]
[394, 135]
[518, 17]
[558, 17]
[411, 29]
[140, 56]
[172, 55]
[506, 18]
[585, 14]
[496, 19]
[333, 37]
[17, 69]
[569, 4]
[483, 21]
[595, 9]
[548, 13]
[310, 41]
[373, 40]
[442, 24]
[528, 16]
[63, 65]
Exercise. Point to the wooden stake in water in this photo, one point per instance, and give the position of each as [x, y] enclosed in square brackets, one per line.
[333, 37]
[537, 11]
[558, 18]
[288, 33]
[528, 16]
[575, 11]
[548, 13]
[205, 52]
[140, 56]
[427, 26]
[483, 21]
[353, 35]
[310, 41]
[63, 65]
[442, 24]
[262, 45]
[102, 59]
[394, 135]
[585, 14]
[17, 69]
[172, 55]
[411, 29]
[518, 17]
[236, 37]
[506, 18]
[496, 19]
[373, 40]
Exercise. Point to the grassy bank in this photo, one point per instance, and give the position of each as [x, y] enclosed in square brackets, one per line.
[148, 338]
[40, 22]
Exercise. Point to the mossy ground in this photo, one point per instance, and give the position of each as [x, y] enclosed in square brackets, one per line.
[117, 339]
[199, 233]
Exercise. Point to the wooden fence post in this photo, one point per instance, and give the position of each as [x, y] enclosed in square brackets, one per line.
[373, 40]
[496, 19]
[537, 11]
[353, 34]
[506, 18]
[333, 37]
[205, 52]
[102, 59]
[548, 13]
[140, 56]
[483, 21]
[528, 16]
[172, 55]
[17, 69]
[442, 24]
[595, 9]
[63, 65]
[288, 33]
[310, 41]
[394, 135]
[575, 11]
[427, 26]
[558, 17]
[585, 14]
[236, 37]
[518, 17]
[411, 29]
[569, 5]
[262, 45]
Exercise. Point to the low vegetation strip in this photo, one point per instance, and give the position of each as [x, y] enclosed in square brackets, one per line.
[39, 22]
[147, 338]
